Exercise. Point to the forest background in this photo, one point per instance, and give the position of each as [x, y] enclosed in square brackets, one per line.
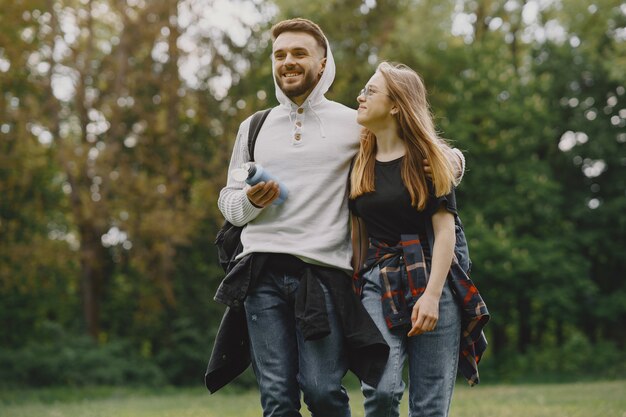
[117, 120]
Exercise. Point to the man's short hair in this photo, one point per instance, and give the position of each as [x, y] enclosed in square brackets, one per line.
[299, 24]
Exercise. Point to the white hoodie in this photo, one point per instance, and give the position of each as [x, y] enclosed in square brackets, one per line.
[312, 161]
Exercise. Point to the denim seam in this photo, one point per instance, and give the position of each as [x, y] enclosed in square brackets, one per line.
[393, 387]
[453, 369]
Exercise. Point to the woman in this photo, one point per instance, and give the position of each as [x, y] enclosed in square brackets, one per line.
[410, 281]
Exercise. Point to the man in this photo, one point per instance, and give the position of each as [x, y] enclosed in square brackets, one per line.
[296, 261]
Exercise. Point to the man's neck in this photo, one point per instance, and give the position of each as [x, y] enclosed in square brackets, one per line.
[299, 100]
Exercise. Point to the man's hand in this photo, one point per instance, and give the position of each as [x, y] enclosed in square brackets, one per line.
[453, 158]
[263, 193]
[427, 170]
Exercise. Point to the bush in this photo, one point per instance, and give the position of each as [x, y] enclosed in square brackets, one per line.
[64, 359]
[183, 356]
[185, 353]
[578, 358]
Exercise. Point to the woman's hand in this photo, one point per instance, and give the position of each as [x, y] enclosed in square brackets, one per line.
[426, 310]
[425, 314]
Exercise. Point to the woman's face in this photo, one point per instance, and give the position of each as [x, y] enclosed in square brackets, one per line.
[374, 104]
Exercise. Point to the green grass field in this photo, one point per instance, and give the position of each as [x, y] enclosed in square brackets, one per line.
[588, 399]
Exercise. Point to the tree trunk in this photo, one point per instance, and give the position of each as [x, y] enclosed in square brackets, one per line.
[560, 338]
[524, 329]
[94, 271]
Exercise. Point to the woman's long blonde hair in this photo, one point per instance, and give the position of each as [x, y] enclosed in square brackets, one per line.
[416, 128]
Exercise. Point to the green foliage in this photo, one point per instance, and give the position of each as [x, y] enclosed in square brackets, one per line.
[185, 354]
[60, 358]
[576, 359]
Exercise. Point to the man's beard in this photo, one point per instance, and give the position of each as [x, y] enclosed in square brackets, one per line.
[307, 84]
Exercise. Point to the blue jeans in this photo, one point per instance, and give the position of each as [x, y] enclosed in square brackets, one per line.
[433, 359]
[284, 363]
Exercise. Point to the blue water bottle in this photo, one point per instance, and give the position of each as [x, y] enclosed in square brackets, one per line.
[253, 173]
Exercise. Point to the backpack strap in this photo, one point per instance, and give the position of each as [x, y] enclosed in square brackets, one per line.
[257, 121]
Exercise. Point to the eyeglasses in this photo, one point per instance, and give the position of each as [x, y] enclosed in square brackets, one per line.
[367, 92]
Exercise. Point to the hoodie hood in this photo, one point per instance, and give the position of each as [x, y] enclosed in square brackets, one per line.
[326, 80]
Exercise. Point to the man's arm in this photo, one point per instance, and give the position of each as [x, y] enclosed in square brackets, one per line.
[457, 159]
[360, 242]
[233, 201]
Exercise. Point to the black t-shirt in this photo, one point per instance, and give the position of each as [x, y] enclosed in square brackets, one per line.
[387, 211]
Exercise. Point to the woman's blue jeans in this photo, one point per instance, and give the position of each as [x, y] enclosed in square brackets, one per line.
[433, 359]
[284, 363]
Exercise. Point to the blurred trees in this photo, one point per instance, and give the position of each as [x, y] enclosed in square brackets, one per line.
[117, 121]
[111, 165]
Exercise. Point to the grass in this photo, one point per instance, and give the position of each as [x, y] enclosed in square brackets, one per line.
[588, 399]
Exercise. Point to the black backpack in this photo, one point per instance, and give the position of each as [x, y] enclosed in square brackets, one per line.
[228, 239]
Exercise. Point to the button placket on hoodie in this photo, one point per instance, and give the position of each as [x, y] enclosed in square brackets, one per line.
[296, 136]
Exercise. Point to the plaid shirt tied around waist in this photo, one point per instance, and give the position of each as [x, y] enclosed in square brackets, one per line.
[403, 278]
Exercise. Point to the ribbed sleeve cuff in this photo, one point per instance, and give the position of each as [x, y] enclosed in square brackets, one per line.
[460, 164]
[250, 211]
[236, 207]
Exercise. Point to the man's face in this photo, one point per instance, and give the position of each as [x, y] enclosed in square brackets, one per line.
[298, 64]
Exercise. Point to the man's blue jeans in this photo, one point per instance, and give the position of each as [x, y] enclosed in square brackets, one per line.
[284, 363]
[433, 359]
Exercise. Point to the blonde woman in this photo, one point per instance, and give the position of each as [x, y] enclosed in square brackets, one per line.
[404, 243]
